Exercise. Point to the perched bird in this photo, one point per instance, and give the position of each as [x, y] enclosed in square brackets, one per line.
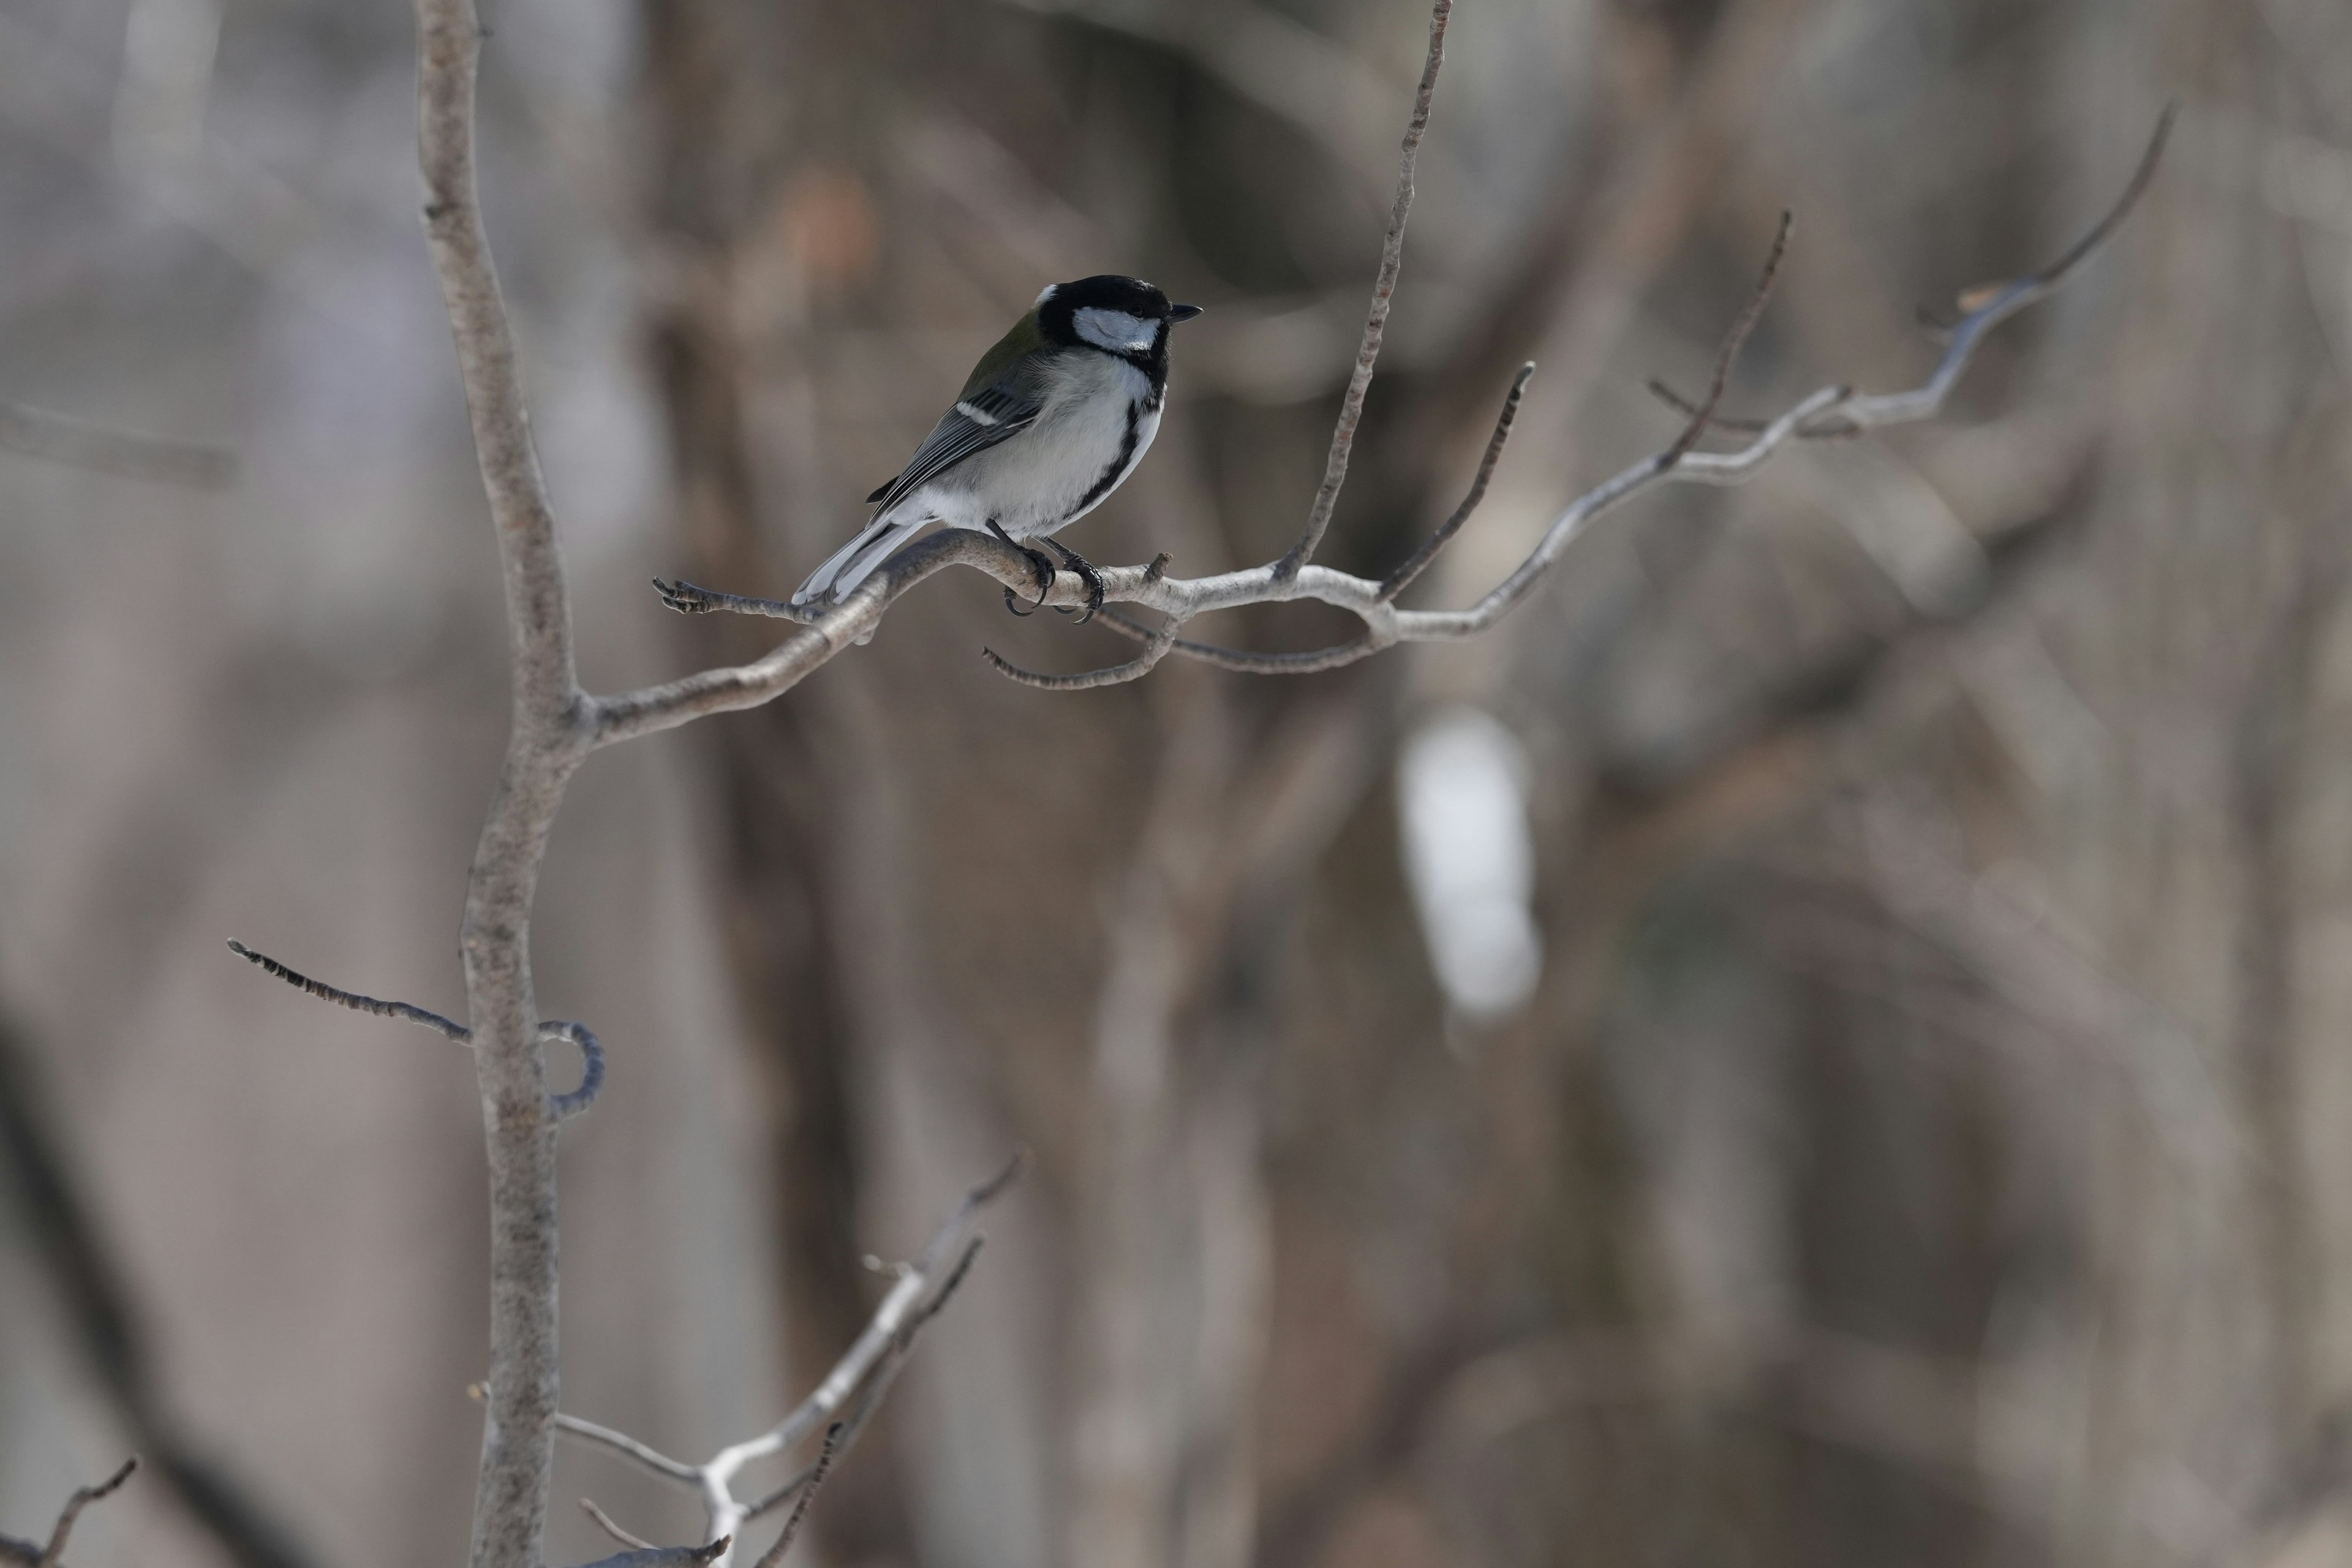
[1050, 422]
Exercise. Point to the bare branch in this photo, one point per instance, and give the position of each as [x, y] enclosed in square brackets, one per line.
[605, 1522]
[824, 1467]
[1733, 341]
[1398, 581]
[1829, 411]
[449, 1028]
[628, 1447]
[549, 735]
[1156, 645]
[78, 443]
[1376, 319]
[858, 1384]
[666, 1556]
[14, 1551]
[2097, 235]
[878, 1387]
[1241, 661]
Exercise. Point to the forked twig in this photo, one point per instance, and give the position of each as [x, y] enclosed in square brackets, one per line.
[1736, 338]
[845, 1401]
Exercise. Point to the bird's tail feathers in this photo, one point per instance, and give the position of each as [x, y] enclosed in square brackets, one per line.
[855, 561]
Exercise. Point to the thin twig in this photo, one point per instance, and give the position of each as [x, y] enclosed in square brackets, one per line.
[1398, 581]
[1155, 649]
[822, 1467]
[1241, 661]
[1733, 341]
[621, 1443]
[1376, 319]
[449, 1028]
[605, 1522]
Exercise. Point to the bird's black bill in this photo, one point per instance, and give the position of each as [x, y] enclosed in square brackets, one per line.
[1182, 312]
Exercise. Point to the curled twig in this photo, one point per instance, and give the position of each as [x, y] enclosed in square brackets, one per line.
[565, 1106]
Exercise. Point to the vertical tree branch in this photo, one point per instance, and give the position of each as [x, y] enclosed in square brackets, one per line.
[546, 742]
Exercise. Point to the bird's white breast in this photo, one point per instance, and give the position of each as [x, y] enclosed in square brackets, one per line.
[1043, 477]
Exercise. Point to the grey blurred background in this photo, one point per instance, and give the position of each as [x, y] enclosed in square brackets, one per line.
[1820, 1043]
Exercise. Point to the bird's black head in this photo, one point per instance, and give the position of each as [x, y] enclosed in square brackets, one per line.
[1122, 315]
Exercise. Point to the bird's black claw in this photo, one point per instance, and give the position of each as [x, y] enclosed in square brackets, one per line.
[1014, 605]
[1086, 574]
[1042, 565]
[1039, 563]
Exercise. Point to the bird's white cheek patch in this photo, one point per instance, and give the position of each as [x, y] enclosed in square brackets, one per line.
[1115, 330]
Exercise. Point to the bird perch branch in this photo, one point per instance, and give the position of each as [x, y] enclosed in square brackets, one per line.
[1831, 411]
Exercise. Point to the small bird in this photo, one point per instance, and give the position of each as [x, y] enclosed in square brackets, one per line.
[1049, 423]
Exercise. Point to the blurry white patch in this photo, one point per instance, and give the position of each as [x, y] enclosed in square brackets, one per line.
[168, 47]
[1461, 801]
[1115, 330]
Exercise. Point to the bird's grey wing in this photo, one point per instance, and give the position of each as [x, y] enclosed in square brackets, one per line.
[977, 422]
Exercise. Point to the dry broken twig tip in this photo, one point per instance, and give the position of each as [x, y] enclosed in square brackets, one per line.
[39, 1556]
